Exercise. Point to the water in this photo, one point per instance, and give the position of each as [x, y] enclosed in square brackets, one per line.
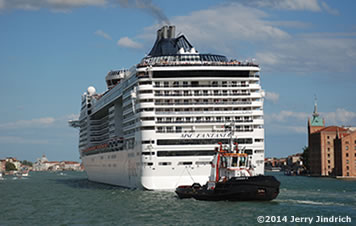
[46, 198]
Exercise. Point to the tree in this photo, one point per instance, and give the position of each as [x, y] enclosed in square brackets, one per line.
[10, 166]
[305, 158]
[26, 163]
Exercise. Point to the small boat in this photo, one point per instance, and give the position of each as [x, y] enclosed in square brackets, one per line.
[232, 178]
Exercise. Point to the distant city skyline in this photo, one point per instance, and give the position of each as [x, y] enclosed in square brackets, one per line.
[51, 51]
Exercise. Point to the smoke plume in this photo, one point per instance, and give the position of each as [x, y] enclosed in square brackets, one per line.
[147, 6]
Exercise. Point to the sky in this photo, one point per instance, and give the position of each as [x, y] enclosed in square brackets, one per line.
[52, 50]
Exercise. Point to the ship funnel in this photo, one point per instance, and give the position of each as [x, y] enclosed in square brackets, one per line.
[166, 32]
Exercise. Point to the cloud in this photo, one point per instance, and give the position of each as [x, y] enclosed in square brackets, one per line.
[129, 43]
[340, 117]
[234, 26]
[329, 9]
[55, 5]
[271, 96]
[103, 34]
[330, 52]
[295, 122]
[39, 122]
[284, 116]
[20, 140]
[311, 5]
[307, 5]
[252, 32]
[67, 5]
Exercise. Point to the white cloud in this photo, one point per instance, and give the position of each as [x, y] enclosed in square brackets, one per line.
[311, 5]
[329, 9]
[20, 140]
[340, 117]
[2, 4]
[231, 22]
[56, 5]
[330, 52]
[129, 43]
[297, 129]
[289, 121]
[39, 122]
[271, 96]
[284, 116]
[103, 34]
[307, 5]
[238, 29]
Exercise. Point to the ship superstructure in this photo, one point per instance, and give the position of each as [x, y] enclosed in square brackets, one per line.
[158, 123]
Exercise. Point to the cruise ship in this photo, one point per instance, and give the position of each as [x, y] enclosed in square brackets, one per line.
[158, 124]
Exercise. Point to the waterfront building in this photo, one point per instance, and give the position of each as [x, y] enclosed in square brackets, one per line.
[39, 165]
[2, 165]
[42, 164]
[324, 159]
[14, 161]
[345, 154]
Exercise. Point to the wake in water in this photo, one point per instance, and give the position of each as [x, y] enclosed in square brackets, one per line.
[309, 202]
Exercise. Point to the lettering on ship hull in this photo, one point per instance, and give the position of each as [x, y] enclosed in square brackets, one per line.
[205, 135]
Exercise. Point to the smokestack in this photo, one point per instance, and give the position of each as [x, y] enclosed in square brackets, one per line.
[172, 32]
[166, 32]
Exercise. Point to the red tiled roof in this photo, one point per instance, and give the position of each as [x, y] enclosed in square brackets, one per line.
[332, 129]
[70, 162]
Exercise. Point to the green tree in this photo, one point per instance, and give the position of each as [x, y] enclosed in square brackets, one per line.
[26, 163]
[305, 157]
[10, 166]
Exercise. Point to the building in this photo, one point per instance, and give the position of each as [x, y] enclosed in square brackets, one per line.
[2, 165]
[14, 161]
[324, 159]
[70, 165]
[345, 154]
[40, 165]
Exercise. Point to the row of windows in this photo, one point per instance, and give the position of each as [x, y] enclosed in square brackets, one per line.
[204, 93]
[179, 129]
[202, 141]
[177, 84]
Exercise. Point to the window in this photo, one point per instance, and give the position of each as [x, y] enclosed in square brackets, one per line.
[328, 137]
[328, 155]
[347, 154]
[329, 161]
[346, 147]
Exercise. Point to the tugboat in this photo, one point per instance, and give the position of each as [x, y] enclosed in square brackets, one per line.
[232, 178]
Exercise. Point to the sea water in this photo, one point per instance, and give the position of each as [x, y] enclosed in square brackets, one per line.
[68, 198]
